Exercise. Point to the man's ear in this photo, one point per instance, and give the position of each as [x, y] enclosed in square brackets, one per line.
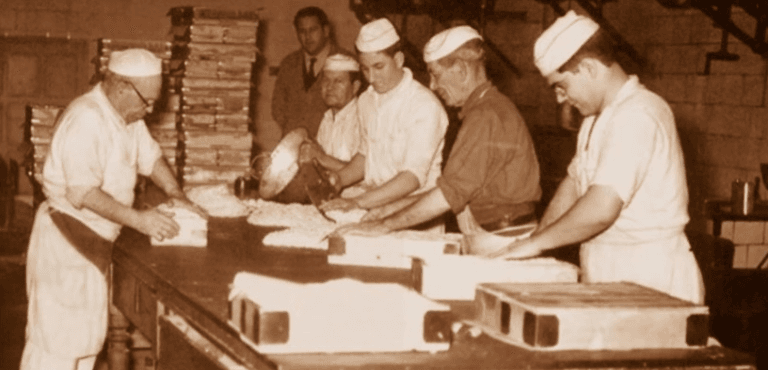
[400, 59]
[590, 66]
[462, 70]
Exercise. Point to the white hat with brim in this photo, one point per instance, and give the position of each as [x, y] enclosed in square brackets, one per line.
[447, 41]
[376, 36]
[561, 41]
[135, 63]
[341, 63]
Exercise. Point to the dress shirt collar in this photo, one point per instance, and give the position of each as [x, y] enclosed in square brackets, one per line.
[319, 59]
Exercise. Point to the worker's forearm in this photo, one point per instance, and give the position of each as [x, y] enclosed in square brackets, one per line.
[565, 197]
[331, 163]
[164, 179]
[597, 210]
[353, 171]
[105, 206]
[398, 187]
[421, 208]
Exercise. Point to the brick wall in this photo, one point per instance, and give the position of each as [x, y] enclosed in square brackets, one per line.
[750, 239]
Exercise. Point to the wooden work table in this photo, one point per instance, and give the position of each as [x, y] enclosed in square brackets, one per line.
[177, 297]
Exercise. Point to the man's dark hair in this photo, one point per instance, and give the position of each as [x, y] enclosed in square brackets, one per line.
[311, 11]
[600, 46]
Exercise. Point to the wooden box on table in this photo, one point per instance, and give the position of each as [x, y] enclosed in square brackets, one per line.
[604, 316]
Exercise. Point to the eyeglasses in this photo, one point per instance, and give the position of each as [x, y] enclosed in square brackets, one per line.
[143, 100]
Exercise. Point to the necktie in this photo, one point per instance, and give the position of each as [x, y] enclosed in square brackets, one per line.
[309, 74]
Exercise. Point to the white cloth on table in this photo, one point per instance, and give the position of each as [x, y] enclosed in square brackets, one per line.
[404, 130]
[339, 134]
[633, 148]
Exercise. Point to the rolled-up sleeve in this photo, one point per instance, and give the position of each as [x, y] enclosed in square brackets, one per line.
[149, 149]
[82, 142]
[627, 152]
[425, 132]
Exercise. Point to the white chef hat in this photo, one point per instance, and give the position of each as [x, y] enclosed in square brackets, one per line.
[376, 36]
[447, 41]
[135, 63]
[561, 41]
[341, 63]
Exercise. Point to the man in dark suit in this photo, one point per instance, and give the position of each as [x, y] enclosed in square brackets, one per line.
[296, 100]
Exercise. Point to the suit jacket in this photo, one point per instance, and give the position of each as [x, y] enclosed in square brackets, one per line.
[292, 105]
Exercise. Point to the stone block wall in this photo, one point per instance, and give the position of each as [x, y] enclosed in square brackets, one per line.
[750, 239]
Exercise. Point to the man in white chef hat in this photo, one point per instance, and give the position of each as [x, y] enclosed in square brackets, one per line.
[100, 145]
[625, 197]
[403, 126]
[491, 179]
[339, 134]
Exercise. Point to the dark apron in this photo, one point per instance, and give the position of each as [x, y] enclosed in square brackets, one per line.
[91, 245]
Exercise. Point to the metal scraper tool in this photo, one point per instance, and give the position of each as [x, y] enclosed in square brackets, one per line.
[317, 186]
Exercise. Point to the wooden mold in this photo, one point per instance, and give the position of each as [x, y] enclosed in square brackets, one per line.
[455, 277]
[605, 316]
[345, 315]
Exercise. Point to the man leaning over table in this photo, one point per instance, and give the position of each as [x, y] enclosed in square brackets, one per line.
[403, 127]
[625, 197]
[99, 146]
[491, 178]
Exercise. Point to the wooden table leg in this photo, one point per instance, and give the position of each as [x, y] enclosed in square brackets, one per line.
[117, 337]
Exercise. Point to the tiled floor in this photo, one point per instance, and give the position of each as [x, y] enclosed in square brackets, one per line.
[740, 320]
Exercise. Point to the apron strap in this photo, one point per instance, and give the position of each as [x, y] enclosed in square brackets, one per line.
[91, 245]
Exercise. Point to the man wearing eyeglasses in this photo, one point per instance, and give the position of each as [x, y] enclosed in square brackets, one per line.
[625, 198]
[100, 145]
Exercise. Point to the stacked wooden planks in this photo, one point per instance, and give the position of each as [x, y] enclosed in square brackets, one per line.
[212, 60]
[40, 123]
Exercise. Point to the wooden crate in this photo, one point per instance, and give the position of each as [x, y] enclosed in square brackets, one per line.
[218, 140]
[345, 315]
[455, 277]
[572, 316]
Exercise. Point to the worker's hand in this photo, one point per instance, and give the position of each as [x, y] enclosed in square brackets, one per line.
[334, 179]
[373, 228]
[339, 204]
[309, 150]
[157, 224]
[525, 248]
[374, 214]
[188, 204]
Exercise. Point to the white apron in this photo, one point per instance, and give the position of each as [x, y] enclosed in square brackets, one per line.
[68, 300]
[665, 264]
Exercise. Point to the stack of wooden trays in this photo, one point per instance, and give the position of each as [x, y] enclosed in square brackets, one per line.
[162, 121]
[161, 49]
[39, 132]
[212, 60]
